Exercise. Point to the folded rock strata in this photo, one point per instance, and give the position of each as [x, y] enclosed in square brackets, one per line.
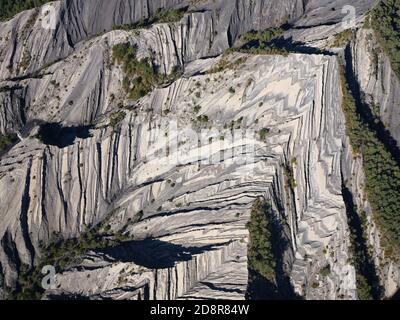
[192, 203]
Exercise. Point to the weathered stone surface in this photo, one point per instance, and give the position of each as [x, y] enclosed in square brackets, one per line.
[379, 87]
[208, 204]
[191, 239]
[378, 83]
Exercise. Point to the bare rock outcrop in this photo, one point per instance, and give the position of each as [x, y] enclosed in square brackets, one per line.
[179, 171]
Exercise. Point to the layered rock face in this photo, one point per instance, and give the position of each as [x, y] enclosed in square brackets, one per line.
[378, 83]
[180, 170]
[379, 88]
[38, 38]
[209, 203]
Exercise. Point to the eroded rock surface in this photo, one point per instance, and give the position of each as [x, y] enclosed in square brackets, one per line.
[189, 202]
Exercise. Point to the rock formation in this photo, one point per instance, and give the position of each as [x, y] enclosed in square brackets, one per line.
[178, 172]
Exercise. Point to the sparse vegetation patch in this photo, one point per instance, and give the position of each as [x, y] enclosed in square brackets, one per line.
[161, 16]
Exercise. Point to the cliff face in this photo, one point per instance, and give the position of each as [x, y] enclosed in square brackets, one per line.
[32, 43]
[178, 172]
[379, 88]
[378, 83]
[210, 204]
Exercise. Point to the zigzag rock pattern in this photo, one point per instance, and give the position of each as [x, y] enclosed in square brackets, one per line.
[180, 171]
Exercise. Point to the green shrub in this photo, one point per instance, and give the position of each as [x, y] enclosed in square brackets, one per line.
[203, 118]
[363, 288]
[7, 140]
[385, 20]
[260, 254]
[226, 63]
[63, 253]
[161, 16]
[117, 118]
[289, 174]
[140, 76]
[124, 51]
[382, 173]
[9, 8]
[262, 37]
[263, 133]
[342, 38]
[261, 42]
[325, 271]
[197, 109]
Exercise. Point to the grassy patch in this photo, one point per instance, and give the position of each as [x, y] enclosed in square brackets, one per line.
[141, 76]
[226, 63]
[262, 42]
[262, 37]
[342, 38]
[161, 16]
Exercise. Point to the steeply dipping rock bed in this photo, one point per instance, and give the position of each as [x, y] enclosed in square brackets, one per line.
[368, 287]
[87, 154]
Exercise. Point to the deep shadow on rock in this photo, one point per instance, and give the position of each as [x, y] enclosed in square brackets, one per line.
[153, 254]
[374, 123]
[396, 296]
[259, 287]
[363, 261]
[65, 297]
[55, 134]
[299, 47]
